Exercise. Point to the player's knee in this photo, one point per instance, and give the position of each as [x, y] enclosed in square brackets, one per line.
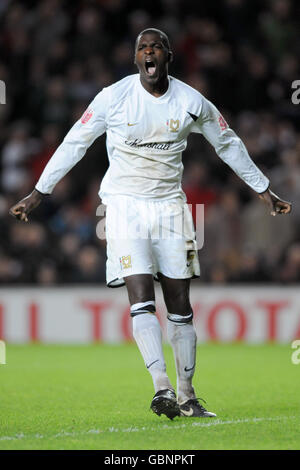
[179, 303]
[140, 288]
[142, 307]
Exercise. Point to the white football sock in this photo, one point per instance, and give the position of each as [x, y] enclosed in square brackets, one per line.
[148, 336]
[183, 339]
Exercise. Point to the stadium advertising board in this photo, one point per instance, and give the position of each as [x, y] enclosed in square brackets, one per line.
[85, 315]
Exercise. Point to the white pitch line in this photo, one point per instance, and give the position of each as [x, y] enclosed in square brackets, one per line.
[112, 429]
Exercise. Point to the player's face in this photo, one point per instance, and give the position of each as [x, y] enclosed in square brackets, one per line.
[152, 57]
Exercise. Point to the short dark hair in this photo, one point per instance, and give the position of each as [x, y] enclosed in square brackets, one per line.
[163, 36]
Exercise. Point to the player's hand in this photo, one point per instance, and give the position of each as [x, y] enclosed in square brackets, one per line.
[276, 205]
[26, 205]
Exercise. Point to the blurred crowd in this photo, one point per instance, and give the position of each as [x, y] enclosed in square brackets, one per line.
[55, 56]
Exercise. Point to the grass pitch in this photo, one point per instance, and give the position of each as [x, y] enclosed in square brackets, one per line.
[98, 397]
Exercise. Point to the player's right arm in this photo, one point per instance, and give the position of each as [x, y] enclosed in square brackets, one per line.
[74, 146]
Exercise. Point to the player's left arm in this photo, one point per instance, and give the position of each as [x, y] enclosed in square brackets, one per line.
[232, 151]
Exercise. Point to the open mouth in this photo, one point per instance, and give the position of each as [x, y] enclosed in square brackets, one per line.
[150, 67]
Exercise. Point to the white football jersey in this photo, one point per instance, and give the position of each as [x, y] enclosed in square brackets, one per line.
[145, 140]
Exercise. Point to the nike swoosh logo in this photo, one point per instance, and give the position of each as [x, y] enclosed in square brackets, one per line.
[151, 364]
[191, 368]
[187, 412]
[133, 124]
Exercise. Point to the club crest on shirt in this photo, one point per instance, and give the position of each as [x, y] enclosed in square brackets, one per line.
[173, 125]
[125, 262]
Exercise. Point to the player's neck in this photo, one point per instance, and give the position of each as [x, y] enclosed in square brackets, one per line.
[157, 89]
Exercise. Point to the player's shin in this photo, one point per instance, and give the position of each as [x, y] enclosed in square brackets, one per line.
[148, 336]
[182, 336]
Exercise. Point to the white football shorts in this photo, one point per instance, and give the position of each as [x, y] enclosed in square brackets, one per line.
[147, 237]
